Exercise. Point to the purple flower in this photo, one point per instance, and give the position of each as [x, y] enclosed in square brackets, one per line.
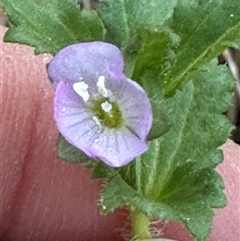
[97, 108]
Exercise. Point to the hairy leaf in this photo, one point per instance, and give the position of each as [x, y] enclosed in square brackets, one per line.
[122, 18]
[118, 193]
[161, 120]
[156, 52]
[206, 28]
[50, 25]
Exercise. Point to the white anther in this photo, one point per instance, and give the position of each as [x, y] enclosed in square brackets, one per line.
[106, 106]
[101, 86]
[81, 89]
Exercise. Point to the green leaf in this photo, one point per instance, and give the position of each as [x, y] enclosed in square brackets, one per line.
[161, 120]
[70, 153]
[50, 25]
[175, 179]
[156, 52]
[117, 193]
[122, 18]
[206, 28]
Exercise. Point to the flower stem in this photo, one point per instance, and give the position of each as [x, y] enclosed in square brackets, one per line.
[140, 225]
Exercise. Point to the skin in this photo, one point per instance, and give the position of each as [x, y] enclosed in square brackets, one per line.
[43, 198]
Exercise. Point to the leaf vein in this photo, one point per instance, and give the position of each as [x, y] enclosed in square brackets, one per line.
[198, 59]
[169, 169]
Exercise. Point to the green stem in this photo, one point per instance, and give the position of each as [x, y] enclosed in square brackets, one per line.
[140, 225]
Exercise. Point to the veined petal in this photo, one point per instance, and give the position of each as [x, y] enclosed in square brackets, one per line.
[85, 62]
[118, 148]
[134, 105]
[73, 118]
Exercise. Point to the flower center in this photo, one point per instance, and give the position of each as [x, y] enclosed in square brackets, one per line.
[107, 112]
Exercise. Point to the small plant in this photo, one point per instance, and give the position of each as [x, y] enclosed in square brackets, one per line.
[139, 99]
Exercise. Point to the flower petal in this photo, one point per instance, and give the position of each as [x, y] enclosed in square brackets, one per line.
[134, 105]
[118, 148]
[86, 62]
[73, 118]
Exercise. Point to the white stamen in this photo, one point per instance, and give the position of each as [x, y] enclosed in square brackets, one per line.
[106, 106]
[81, 89]
[97, 121]
[101, 86]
